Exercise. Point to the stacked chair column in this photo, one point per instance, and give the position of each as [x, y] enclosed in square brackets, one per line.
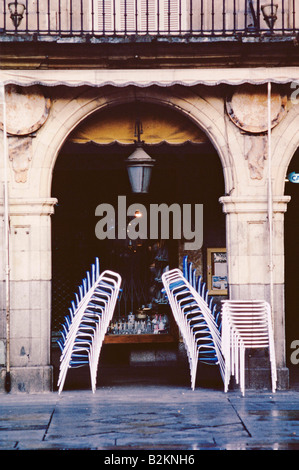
[199, 325]
[85, 327]
[246, 325]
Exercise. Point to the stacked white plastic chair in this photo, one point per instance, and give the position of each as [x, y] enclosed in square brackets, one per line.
[85, 328]
[196, 322]
[246, 325]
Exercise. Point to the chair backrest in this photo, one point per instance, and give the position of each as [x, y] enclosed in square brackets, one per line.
[250, 321]
[200, 286]
[179, 291]
[89, 318]
[246, 324]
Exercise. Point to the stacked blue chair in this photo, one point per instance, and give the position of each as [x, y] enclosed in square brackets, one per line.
[200, 286]
[86, 325]
[196, 322]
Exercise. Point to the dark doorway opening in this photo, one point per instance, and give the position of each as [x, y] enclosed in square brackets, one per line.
[87, 175]
[291, 271]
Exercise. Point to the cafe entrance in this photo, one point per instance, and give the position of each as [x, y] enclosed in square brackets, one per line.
[91, 171]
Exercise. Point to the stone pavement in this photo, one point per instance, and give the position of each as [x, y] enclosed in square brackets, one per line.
[150, 417]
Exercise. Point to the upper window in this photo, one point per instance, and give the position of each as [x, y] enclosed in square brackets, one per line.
[139, 16]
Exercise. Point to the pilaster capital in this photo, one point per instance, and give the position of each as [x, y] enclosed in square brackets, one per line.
[29, 207]
[253, 204]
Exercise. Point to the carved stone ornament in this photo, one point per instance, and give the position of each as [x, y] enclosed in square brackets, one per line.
[256, 147]
[20, 154]
[247, 107]
[26, 109]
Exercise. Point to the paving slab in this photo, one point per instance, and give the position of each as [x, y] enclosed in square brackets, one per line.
[150, 418]
[271, 419]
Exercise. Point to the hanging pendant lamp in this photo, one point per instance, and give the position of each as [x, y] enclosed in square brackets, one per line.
[139, 164]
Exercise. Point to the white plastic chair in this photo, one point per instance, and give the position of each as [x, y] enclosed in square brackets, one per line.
[86, 327]
[196, 322]
[246, 325]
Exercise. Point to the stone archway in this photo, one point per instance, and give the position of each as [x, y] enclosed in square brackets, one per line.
[154, 102]
[31, 207]
[67, 116]
[285, 144]
[285, 161]
[244, 203]
[285, 156]
[291, 235]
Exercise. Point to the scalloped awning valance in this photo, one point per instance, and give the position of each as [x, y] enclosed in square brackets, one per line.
[146, 77]
[159, 124]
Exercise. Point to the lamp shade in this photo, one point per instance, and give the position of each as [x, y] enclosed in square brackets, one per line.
[139, 167]
[16, 12]
[270, 14]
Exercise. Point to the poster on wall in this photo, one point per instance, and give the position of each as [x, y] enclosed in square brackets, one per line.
[217, 271]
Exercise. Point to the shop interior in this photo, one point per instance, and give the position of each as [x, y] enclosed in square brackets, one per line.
[90, 170]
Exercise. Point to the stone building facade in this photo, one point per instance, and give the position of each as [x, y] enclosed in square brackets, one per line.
[217, 86]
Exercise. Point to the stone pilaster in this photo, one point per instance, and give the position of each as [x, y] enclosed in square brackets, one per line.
[248, 247]
[30, 295]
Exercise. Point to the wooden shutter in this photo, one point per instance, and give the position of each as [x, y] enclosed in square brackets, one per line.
[103, 16]
[173, 16]
[139, 16]
[126, 15]
[148, 10]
